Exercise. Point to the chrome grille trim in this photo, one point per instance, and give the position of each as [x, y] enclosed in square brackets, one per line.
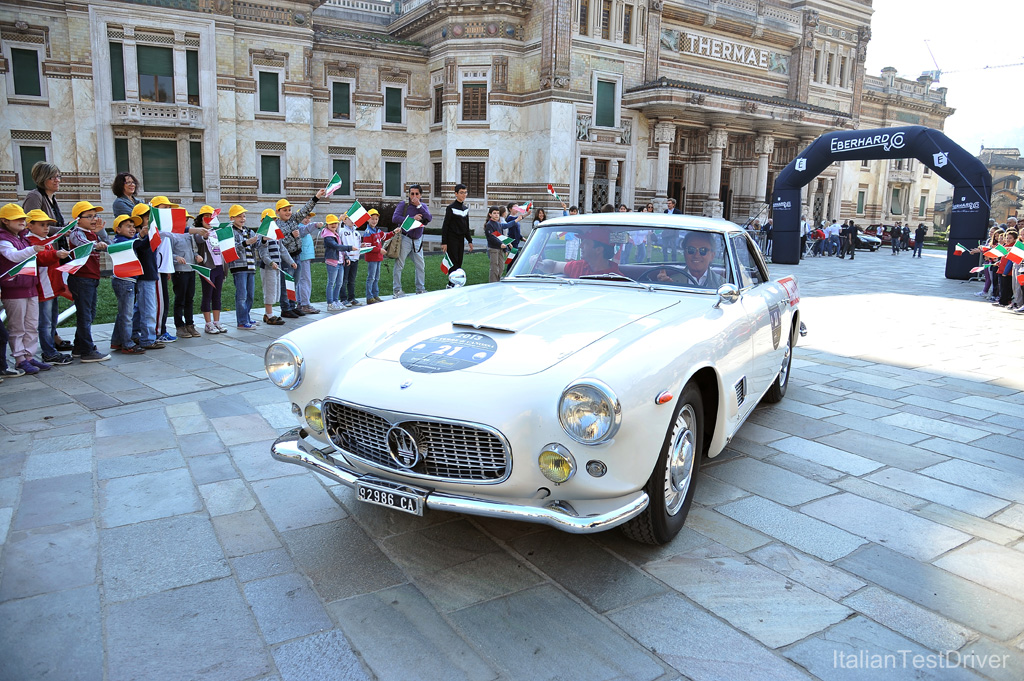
[453, 451]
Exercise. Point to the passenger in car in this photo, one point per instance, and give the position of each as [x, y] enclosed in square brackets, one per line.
[596, 251]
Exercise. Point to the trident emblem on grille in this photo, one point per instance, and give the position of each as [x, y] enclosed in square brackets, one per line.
[402, 447]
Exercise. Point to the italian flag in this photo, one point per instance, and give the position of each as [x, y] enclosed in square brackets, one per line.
[1016, 253]
[446, 264]
[213, 221]
[289, 285]
[975, 270]
[960, 249]
[410, 223]
[528, 207]
[126, 263]
[1020, 278]
[171, 219]
[225, 237]
[79, 257]
[363, 250]
[27, 267]
[357, 213]
[269, 229]
[997, 251]
[203, 272]
[333, 185]
[154, 239]
[511, 254]
[36, 241]
[551, 190]
[505, 240]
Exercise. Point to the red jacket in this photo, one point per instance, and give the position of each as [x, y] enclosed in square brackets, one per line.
[23, 285]
[375, 240]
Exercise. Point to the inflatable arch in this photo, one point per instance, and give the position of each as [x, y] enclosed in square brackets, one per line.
[972, 185]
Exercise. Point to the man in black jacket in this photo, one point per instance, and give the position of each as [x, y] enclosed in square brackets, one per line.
[455, 228]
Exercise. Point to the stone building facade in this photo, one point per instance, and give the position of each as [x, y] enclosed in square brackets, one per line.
[622, 101]
[1007, 168]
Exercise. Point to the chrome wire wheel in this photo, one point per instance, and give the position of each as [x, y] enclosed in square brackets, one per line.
[784, 374]
[679, 463]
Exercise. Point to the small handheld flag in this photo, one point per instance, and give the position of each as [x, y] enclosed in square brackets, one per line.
[551, 190]
[997, 251]
[333, 185]
[289, 285]
[269, 229]
[126, 263]
[1016, 253]
[411, 223]
[363, 250]
[357, 213]
[511, 255]
[79, 257]
[505, 240]
[154, 239]
[975, 270]
[960, 249]
[213, 221]
[171, 219]
[446, 264]
[37, 241]
[1020, 278]
[203, 272]
[27, 267]
[225, 238]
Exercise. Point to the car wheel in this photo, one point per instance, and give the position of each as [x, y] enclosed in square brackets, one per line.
[674, 478]
[874, 248]
[778, 389]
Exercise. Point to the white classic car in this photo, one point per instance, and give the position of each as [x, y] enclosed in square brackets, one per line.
[580, 392]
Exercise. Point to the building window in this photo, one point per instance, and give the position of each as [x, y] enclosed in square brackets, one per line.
[894, 205]
[29, 157]
[159, 166]
[341, 101]
[584, 17]
[604, 108]
[25, 64]
[828, 70]
[816, 74]
[269, 92]
[627, 24]
[393, 105]
[861, 197]
[844, 80]
[437, 179]
[922, 205]
[195, 161]
[117, 72]
[156, 73]
[192, 76]
[474, 101]
[606, 19]
[438, 105]
[865, 164]
[392, 178]
[121, 162]
[343, 168]
[475, 179]
[270, 174]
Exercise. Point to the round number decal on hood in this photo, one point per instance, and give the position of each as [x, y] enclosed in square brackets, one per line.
[450, 352]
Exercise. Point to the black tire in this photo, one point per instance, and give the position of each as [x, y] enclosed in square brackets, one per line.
[674, 477]
[778, 389]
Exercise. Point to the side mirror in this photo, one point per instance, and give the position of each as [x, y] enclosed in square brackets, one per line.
[727, 293]
[457, 278]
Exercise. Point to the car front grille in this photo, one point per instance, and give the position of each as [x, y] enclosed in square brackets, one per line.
[449, 451]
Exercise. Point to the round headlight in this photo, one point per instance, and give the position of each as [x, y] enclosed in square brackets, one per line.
[284, 364]
[589, 412]
[315, 416]
[556, 463]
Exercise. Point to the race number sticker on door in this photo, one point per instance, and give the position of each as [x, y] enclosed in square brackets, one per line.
[450, 352]
[776, 318]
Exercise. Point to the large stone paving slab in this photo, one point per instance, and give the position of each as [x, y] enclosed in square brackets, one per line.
[777, 484]
[148, 496]
[49, 559]
[988, 564]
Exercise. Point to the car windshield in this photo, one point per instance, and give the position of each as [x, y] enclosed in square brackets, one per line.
[674, 258]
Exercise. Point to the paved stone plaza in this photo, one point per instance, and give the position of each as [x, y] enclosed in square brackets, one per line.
[147, 533]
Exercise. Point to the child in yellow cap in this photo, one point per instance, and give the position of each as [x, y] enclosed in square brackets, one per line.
[85, 282]
[51, 287]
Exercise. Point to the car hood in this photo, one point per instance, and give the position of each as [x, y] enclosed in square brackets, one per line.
[513, 329]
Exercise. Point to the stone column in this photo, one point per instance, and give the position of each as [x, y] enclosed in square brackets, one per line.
[664, 135]
[717, 141]
[184, 165]
[180, 69]
[588, 186]
[826, 204]
[764, 145]
[131, 65]
[613, 177]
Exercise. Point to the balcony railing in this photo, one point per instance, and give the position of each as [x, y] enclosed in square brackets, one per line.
[156, 114]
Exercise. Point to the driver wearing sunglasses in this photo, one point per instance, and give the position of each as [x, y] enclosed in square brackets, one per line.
[699, 250]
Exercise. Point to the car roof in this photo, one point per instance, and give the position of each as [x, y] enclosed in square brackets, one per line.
[649, 220]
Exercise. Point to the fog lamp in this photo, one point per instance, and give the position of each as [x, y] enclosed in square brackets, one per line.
[315, 416]
[556, 463]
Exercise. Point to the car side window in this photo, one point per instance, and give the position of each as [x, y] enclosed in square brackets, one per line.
[747, 268]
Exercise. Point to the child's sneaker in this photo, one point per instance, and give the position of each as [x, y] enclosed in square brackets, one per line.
[211, 329]
[166, 338]
[247, 326]
[59, 359]
[27, 367]
[94, 356]
[42, 366]
[220, 327]
[134, 350]
[345, 304]
[8, 372]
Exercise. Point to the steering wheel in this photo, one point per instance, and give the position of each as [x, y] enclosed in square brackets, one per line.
[676, 275]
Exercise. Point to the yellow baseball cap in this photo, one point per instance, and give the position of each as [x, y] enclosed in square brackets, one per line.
[283, 203]
[332, 220]
[206, 210]
[162, 202]
[83, 206]
[38, 215]
[139, 209]
[121, 218]
[12, 211]
[270, 212]
[235, 211]
[372, 211]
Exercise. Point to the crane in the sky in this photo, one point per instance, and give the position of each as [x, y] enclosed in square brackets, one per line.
[936, 75]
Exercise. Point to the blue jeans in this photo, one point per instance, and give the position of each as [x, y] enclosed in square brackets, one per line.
[372, 280]
[47, 325]
[245, 286]
[918, 247]
[287, 304]
[124, 291]
[83, 292]
[144, 323]
[335, 274]
[348, 289]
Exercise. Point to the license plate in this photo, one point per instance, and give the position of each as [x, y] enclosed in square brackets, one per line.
[398, 497]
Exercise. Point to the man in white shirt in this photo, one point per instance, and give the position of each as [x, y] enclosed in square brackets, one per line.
[803, 235]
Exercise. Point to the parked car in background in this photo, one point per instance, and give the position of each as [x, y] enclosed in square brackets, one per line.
[884, 236]
[577, 392]
[867, 242]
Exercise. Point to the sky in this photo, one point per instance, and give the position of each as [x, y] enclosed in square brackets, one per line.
[989, 103]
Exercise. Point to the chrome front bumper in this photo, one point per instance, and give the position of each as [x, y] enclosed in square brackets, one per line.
[292, 448]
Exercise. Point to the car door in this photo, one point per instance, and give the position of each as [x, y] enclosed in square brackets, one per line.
[761, 303]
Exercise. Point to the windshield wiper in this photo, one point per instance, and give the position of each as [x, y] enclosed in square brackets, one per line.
[538, 276]
[612, 276]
